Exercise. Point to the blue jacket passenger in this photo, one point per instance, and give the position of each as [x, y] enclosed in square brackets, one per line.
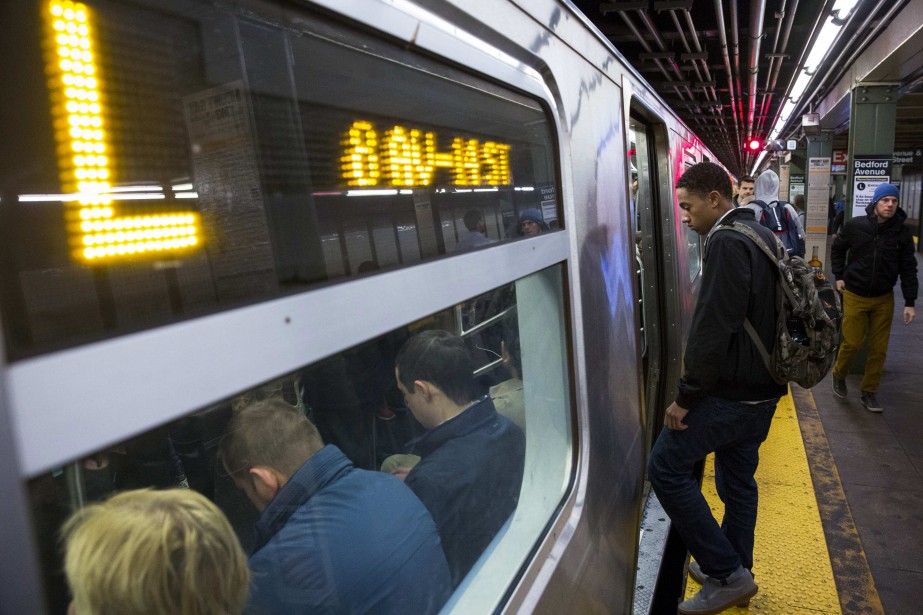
[337, 539]
[469, 478]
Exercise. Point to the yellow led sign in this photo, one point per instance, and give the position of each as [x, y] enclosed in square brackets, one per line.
[405, 156]
[83, 159]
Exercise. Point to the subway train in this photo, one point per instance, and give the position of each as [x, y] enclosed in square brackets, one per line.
[205, 203]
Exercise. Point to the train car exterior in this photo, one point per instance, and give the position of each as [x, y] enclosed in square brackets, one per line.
[198, 199]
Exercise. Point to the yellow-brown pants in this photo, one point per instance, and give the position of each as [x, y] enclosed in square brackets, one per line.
[865, 316]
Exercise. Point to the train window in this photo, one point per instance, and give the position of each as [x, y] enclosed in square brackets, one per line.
[468, 477]
[693, 243]
[184, 158]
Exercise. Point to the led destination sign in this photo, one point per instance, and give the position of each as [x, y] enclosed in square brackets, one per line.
[402, 156]
[79, 116]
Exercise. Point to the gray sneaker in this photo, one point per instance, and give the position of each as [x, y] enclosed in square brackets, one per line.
[716, 596]
[695, 572]
[870, 402]
[839, 387]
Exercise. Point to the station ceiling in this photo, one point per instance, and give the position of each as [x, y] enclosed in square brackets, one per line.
[726, 66]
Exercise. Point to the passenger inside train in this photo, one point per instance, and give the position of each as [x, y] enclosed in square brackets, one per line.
[531, 222]
[471, 457]
[349, 408]
[328, 530]
[142, 552]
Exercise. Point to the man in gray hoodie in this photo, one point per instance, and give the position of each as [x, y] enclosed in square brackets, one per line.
[778, 216]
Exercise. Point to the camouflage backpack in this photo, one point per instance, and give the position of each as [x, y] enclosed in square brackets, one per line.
[809, 315]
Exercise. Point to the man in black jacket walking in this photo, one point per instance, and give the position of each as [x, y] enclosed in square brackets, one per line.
[878, 248]
[726, 396]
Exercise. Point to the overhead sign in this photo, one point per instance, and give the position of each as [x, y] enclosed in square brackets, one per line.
[869, 172]
[840, 156]
[908, 156]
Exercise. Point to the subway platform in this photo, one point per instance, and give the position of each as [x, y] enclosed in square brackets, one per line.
[840, 527]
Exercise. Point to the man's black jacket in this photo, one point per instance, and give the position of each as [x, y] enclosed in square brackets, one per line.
[868, 256]
[738, 282]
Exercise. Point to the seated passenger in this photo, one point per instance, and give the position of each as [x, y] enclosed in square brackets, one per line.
[331, 538]
[472, 458]
[477, 232]
[151, 552]
[531, 222]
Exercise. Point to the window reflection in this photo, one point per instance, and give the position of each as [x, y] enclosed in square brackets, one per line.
[297, 155]
[452, 430]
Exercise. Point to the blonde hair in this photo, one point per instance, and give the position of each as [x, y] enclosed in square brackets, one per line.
[145, 552]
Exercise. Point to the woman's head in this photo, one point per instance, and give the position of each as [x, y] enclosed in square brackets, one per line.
[145, 552]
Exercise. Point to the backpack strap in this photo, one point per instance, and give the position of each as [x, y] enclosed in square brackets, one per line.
[776, 259]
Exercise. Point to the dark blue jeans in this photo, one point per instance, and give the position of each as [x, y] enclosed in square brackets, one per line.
[734, 432]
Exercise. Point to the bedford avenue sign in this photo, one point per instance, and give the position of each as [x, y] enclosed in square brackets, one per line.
[869, 172]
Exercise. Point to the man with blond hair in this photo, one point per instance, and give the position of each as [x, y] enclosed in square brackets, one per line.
[331, 538]
[152, 552]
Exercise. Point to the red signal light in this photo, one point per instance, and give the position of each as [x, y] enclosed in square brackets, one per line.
[754, 145]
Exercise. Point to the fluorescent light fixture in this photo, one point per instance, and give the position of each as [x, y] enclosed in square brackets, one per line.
[46, 198]
[460, 190]
[182, 186]
[822, 45]
[136, 189]
[76, 196]
[187, 195]
[756, 165]
[843, 8]
[486, 190]
[524, 188]
[136, 196]
[371, 192]
[800, 85]
[406, 191]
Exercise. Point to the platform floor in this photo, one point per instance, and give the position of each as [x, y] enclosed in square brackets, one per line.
[879, 458]
[840, 526]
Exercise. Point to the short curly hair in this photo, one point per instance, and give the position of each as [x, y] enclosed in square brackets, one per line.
[704, 178]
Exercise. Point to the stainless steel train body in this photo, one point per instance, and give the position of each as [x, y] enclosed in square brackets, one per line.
[603, 298]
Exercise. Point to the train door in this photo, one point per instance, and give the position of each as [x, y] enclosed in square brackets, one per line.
[648, 255]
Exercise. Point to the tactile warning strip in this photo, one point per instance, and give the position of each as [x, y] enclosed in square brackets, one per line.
[791, 563]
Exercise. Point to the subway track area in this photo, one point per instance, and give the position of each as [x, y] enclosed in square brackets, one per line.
[840, 524]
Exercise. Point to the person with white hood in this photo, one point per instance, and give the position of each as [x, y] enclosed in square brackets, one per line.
[778, 216]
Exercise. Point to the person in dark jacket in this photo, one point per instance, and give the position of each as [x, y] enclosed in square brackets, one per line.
[745, 188]
[472, 458]
[531, 222]
[726, 396]
[331, 538]
[867, 256]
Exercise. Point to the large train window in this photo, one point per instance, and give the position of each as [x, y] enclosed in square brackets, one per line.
[693, 239]
[490, 479]
[183, 158]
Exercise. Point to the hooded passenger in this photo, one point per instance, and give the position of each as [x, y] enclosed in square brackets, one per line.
[779, 216]
[531, 222]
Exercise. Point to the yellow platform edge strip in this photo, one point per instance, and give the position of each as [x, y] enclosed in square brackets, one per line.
[791, 561]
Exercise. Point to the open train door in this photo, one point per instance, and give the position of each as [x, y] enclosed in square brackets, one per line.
[648, 144]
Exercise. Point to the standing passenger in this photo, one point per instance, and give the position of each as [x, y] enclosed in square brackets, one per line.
[331, 538]
[153, 552]
[472, 457]
[879, 248]
[726, 396]
[745, 187]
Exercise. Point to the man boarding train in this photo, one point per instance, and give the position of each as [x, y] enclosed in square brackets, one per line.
[726, 396]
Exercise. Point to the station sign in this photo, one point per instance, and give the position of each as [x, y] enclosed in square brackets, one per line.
[869, 172]
[908, 156]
